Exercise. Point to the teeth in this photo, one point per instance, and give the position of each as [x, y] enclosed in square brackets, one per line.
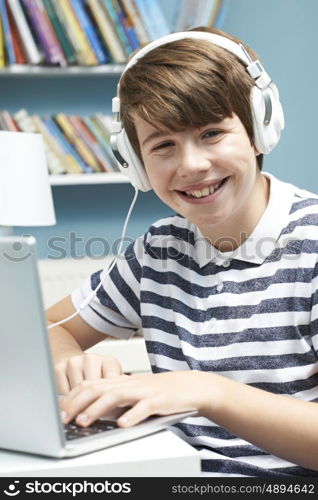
[205, 191]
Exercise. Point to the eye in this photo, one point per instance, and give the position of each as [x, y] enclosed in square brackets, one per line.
[163, 145]
[211, 134]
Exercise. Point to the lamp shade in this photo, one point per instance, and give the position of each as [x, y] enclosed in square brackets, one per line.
[25, 191]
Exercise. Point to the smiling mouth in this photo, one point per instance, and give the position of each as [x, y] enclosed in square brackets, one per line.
[207, 191]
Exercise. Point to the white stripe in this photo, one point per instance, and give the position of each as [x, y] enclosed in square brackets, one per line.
[279, 375]
[244, 349]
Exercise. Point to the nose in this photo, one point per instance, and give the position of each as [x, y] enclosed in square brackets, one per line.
[192, 160]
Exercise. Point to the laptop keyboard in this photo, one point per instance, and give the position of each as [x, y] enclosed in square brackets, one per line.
[73, 431]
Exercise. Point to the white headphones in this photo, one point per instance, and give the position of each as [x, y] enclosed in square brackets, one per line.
[267, 113]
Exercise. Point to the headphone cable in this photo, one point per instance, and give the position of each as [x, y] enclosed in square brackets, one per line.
[90, 297]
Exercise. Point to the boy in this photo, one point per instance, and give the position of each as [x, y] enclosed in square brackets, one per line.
[224, 291]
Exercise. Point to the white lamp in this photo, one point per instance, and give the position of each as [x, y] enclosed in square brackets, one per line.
[25, 191]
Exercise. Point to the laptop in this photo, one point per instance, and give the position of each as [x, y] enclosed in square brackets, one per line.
[30, 416]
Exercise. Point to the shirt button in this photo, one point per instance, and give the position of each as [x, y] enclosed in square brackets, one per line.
[226, 263]
[220, 287]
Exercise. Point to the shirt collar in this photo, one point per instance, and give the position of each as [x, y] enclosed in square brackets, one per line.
[259, 245]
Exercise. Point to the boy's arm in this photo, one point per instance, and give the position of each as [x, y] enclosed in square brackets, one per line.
[68, 343]
[283, 426]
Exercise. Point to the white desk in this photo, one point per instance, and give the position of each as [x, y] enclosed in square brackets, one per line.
[162, 454]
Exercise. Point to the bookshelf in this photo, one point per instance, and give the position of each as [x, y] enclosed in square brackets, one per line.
[89, 179]
[90, 205]
[110, 70]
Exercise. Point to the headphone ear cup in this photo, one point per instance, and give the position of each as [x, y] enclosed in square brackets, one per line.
[135, 171]
[266, 136]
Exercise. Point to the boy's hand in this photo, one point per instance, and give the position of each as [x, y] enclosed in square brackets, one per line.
[147, 394]
[75, 370]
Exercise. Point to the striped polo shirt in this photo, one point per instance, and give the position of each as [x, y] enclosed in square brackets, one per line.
[250, 315]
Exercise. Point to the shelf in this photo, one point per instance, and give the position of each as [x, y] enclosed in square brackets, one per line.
[77, 179]
[107, 70]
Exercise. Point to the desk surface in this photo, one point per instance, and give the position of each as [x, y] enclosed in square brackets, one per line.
[162, 454]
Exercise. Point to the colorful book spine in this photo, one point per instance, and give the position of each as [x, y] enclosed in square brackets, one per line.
[75, 162]
[45, 34]
[10, 121]
[107, 31]
[126, 24]
[111, 12]
[2, 48]
[133, 14]
[7, 33]
[94, 127]
[27, 124]
[153, 18]
[91, 33]
[61, 33]
[33, 53]
[55, 163]
[20, 56]
[84, 52]
[3, 125]
[75, 140]
[91, 142]
[105, 123]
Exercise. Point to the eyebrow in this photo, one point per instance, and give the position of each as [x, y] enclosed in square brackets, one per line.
[154, 135]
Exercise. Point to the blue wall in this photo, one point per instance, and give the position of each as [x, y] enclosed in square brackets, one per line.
[283, 32]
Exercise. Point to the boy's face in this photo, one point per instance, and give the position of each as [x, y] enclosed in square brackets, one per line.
[209, 175]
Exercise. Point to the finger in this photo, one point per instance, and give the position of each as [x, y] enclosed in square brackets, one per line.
[140, 411]
[92, 368]
[81, 399]
[103, 406]
[111, 368]
[62, 383]
[74, 371]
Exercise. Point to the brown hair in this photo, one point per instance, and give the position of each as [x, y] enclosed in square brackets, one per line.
[187, 83]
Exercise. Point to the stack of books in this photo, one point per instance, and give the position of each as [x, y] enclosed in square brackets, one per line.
[74, 144]
[77, 32]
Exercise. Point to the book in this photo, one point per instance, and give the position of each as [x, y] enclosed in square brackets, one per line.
[153, 18]
[26, 124]
[56, 162]
[2, 49]
[76, 141]
[194, 13]
[61, 33]
[20, 56]
[91, 33]
[107, 31]
[205, 12]
[113, 15]
[127, 25]
[44, 32]
[32, 52]
[105, 123]
[222, 13]
[84, 52]
[8, 42]
[3, 125]
[132, 13]
[94, 127]
[9, 121]
[75, 163]
[185, 14]
[90, 140]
